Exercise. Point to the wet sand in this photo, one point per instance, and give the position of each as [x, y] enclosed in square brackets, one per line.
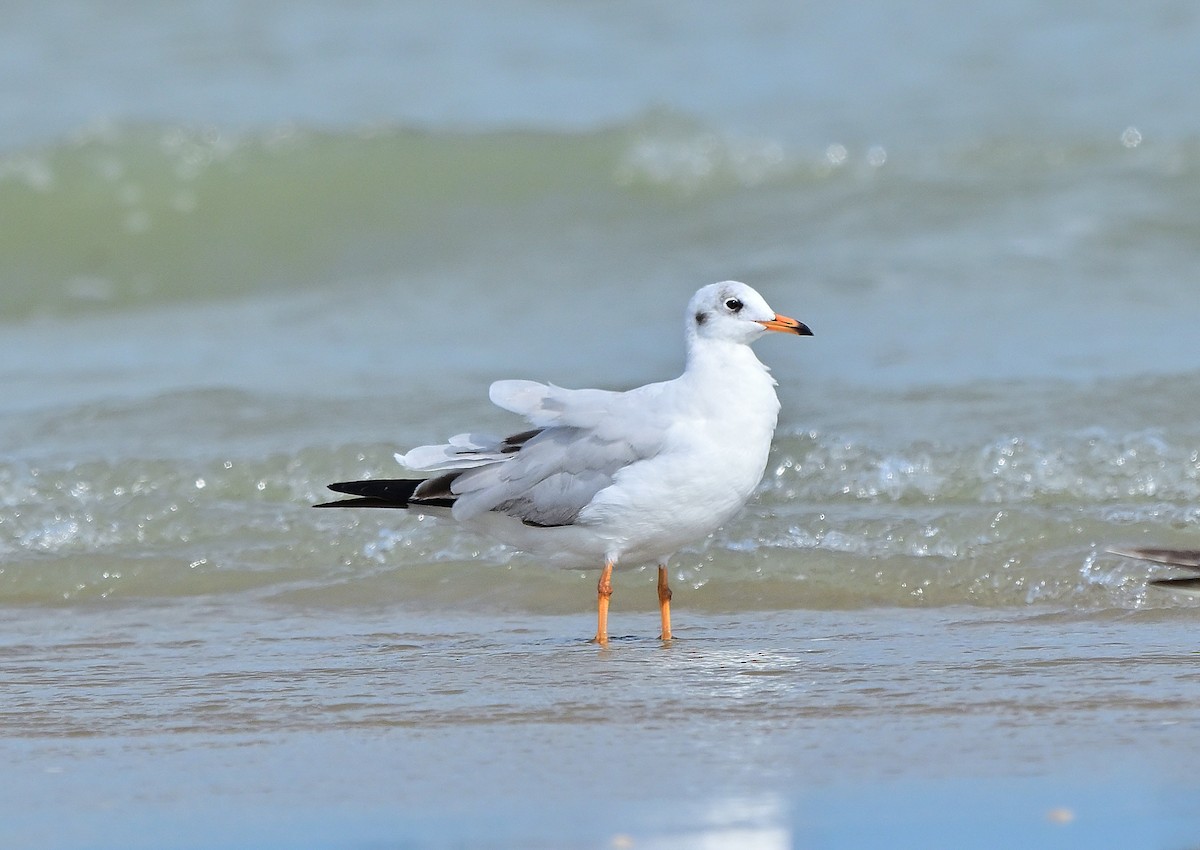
[393, 728]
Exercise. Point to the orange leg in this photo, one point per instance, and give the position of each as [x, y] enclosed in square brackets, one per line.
[603, 594]
[664, 601]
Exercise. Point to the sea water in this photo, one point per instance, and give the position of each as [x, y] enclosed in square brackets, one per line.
[246, 250]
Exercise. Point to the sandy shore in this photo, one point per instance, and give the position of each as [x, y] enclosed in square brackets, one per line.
[390, 728]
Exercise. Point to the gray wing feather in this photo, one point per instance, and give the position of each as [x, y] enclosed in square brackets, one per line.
[547, 475]
[549, 481]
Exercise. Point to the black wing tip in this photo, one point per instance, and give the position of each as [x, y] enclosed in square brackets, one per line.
[365, 502]
[372, 493]
[1189, 584]
[394, 493]
[355, 488]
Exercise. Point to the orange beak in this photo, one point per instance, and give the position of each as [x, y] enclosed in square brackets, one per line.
[786, 325]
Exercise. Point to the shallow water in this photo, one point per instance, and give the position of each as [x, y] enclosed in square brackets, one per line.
[367, 724]
[249, 251]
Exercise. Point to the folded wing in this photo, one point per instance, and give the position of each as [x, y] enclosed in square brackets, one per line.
[547, 475]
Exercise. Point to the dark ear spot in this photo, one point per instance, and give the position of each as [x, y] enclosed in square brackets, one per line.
[701, 318]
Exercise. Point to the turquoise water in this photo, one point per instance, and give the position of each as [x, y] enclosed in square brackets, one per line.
[248, 250]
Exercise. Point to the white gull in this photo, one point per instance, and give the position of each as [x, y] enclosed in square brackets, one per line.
[614, 477]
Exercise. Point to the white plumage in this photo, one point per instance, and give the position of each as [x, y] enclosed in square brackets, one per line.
[618, 477]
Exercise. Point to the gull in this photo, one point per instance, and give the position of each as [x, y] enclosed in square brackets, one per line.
[608, 478]
[1187, 558]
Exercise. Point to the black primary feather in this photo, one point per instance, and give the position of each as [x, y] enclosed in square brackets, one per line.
[399, 493]
[383, 493]
[1191, 585]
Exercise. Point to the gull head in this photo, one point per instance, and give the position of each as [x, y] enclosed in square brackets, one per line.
[734, 312]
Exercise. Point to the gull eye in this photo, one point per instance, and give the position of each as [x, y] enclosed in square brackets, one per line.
[733, 305]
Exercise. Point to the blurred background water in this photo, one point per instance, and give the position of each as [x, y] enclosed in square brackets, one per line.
[249, 248]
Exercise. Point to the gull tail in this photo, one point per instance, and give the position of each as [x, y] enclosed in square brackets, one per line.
[394, 493]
